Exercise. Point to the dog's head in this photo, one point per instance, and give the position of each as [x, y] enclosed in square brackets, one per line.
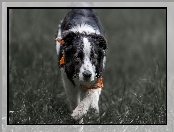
[84, 55]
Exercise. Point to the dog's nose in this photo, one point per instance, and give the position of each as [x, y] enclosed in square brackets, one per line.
[87, 74]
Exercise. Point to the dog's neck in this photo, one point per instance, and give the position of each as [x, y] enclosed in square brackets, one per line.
[98, 83]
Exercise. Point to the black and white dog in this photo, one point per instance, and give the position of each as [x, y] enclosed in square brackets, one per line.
[81, 49]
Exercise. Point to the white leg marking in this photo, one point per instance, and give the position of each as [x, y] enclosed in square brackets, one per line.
[95, 100]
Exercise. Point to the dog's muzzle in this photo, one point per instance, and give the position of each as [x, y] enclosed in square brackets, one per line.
[87, 74]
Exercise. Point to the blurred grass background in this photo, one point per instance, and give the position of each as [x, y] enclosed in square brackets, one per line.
[134, 78]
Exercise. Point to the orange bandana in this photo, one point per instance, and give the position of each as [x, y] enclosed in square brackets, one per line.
[61, 41]
[97, 84]
[62, 60]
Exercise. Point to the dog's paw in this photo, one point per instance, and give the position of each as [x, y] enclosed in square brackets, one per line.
[76, 115]
[79, 112]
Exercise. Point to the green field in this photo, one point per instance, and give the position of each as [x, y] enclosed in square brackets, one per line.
[134, 78]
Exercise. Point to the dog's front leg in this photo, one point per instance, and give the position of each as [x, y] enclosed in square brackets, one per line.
[94, 104]
[83, 106]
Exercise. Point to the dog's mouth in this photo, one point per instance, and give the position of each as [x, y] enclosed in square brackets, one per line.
[87, 79]
[84, 79]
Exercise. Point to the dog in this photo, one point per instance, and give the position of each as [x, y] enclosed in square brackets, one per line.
[81, 48]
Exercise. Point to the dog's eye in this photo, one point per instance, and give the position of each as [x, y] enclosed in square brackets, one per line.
[93, 56]
[94, 61]
[76, 59]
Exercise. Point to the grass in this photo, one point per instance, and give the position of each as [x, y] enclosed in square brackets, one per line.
[134, 78]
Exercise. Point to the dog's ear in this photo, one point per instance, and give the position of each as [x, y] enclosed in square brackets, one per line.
[68, 36]
[100, 41]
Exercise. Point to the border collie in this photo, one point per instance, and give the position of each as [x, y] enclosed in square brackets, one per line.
[81, 49]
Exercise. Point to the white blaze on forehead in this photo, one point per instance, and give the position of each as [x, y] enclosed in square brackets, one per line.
[84, 28]
[87, 65]
[87, 48]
